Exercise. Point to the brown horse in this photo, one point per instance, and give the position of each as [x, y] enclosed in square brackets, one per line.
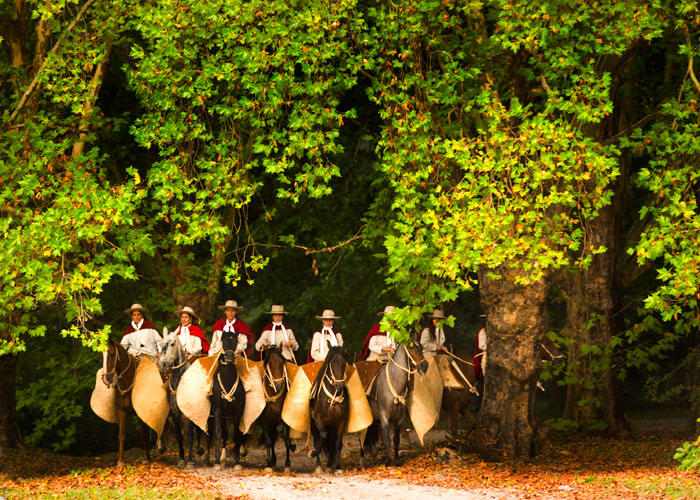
[455, 402]
[275, 386]
[119, 371]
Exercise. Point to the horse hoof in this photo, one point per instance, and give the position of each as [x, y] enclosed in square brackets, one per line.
[181, 463]
[145, 461]
[318, 471]
[237, 467]
[363, 464]
[338, 472]
[190, 465]
[217, 466]
[244, 451]
[287, 470]
[269, 470]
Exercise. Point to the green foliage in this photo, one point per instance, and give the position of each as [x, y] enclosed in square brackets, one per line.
[689, 455]
[54, 383]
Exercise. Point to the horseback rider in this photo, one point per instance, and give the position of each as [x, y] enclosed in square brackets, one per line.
[480, 353]
[232, 324]
[190, 335]
[321, 338]
[432, 338]
[278, 334]
[378, 344]
[141, 336]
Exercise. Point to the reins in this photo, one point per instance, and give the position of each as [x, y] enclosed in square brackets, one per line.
[228, 395]
[333, 398]
[401, 398]
[273, 383]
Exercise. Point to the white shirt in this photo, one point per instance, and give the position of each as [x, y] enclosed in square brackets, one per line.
[190, 343]
[141, 341]
[216, 346]
[319, 347]
[376, 343]
[481, 342]
[430, 344]
[276, 336]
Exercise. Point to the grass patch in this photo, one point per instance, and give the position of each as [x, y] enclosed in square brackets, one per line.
[668, 487]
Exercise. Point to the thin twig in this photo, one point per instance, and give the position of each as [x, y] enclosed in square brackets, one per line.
[690, 58]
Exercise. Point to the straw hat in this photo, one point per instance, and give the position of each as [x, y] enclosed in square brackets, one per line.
[438, 314]
[188, 310]
[136, 307]
[232, 304]
[328, 314]
[277, 310]
[386, 310]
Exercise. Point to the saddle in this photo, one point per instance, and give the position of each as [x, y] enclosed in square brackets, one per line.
[368, 372]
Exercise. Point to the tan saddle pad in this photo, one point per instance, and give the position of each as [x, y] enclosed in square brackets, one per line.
[450, 379]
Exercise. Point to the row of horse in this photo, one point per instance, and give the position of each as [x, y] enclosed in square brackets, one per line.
[328, 404]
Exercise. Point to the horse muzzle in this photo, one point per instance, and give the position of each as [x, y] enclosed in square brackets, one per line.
[422, 367]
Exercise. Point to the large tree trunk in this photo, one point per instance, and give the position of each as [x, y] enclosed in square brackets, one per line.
[9, 430]
[516, 320]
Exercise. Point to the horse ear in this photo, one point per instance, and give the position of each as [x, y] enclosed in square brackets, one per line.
[328, 344]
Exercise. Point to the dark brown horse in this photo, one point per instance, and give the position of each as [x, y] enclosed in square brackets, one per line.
[119, 370]
[388, 399]
[330, 408]
[275, 385]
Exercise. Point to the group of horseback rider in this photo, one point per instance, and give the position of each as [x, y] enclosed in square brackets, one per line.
[141, 336]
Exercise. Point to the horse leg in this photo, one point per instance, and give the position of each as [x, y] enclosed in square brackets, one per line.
[224, 440]
[289, 446]
[122, 436]
[397, 440]
[329, 440]
[146, 441]
[317, 446]
[386, 432]
[237, 443]
[339, 447]
[217, 438]
[189, 426]
[177, 425]
[268, 432]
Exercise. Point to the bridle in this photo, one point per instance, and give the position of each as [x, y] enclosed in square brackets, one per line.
[118, 375]
[338, 385]
[401, 398]
[175, 367]
[274, 382]
[229, 359]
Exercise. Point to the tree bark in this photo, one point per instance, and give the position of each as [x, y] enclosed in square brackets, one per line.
[516, 320]
[9, 430]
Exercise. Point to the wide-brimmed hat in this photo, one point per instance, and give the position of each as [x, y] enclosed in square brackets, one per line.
[136, 307]
[188, 310]
[277, 310]
[438, 314]
[328, 314]
[232, 304]
[386, 310]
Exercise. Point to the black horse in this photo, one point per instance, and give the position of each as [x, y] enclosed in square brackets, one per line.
[388, 398]
[227, 400]
[275, 385]
[174, 362]
[330, 408]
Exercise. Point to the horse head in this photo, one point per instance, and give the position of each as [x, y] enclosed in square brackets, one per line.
[415, 354]
[109, 364]
[334, 365]
[170, 352]
[229, 342]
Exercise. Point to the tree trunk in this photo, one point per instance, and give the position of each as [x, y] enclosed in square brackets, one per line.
[9, 430]
[516, 320]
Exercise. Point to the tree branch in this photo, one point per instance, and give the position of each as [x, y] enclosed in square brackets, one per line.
[55, 48]
[690, 58]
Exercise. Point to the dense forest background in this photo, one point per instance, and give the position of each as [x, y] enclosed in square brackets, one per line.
[536, 163]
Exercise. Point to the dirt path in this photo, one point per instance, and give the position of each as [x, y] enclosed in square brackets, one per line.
[353, 484]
